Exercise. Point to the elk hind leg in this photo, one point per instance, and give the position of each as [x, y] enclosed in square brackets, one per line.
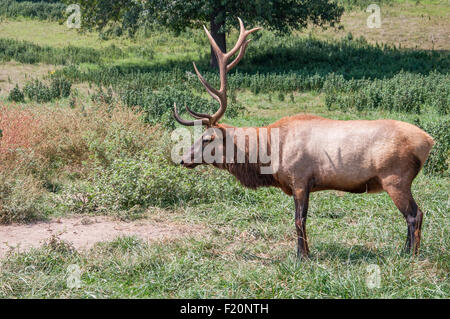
[404, 201]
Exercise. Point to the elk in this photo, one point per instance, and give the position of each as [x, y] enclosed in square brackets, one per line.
[316, 153]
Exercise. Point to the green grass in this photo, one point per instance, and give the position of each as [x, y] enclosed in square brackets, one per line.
[249, 252]
[247, 247]
[186, 46]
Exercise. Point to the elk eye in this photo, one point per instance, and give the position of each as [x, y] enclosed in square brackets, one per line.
[207, 138]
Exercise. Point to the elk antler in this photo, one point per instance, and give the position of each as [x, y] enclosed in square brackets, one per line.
[222, 60]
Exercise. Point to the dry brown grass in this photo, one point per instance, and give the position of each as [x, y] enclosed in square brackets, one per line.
[42, 146]
[406, 25]
[12, 73]
[65, 135]
[19, 132]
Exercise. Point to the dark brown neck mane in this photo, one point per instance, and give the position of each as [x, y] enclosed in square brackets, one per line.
[249, 174]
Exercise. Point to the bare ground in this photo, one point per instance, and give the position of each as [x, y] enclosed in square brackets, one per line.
[84, 232]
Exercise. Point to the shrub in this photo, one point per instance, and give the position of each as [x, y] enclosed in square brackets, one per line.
[76, 139]
[405, 92]
[157, 106]
[439, 159]
[42, 10]
[149, 179]
[130, 182]
[42, 149]
[20, 198]
[274, 64]
[16, 95]
[60, 87]
[38, 91]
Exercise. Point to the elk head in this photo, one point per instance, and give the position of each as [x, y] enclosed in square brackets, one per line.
[214, 130]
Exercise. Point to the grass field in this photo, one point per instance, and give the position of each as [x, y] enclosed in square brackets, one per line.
[103, 149]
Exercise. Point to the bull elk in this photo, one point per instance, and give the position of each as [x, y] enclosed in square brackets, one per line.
[318, 154]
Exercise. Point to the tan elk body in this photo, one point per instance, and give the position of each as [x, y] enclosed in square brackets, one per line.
[317, 154]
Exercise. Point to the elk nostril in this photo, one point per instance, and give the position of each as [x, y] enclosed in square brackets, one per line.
[181, 162]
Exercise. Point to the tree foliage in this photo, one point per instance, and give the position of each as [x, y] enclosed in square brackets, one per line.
[278, 15]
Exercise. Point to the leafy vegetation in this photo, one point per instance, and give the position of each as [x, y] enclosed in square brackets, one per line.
[280, 15]
[306, 63]
[438, 162]
[16, 95]
[158, 106]
[42, 10]
[38, 91]
[26, 52]
[405, 92]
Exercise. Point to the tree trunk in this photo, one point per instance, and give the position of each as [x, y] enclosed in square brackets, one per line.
[217, 23]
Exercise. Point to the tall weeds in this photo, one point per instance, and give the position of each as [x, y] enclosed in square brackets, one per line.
[40, 150]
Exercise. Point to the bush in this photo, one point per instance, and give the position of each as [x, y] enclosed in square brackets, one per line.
[405, 92]
[279, 63]
[16, 95]
[42, 10]
[20, 198]
[144, 182]
[439, 159]
[60, 87]
[147, 180]
[42, 149]
[38, 91]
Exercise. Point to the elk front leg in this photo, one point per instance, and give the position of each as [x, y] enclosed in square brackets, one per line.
[301, 199]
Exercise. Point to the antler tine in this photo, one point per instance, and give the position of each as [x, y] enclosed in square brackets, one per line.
[185, 122]
[221, 94]
[239, 41]
[212, 91]
[196, 115]
[216, 49]
[239, 56]
[253, 30]
[240, 45]
[242, 36]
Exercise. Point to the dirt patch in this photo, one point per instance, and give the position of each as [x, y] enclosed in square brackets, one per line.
[84, 232]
